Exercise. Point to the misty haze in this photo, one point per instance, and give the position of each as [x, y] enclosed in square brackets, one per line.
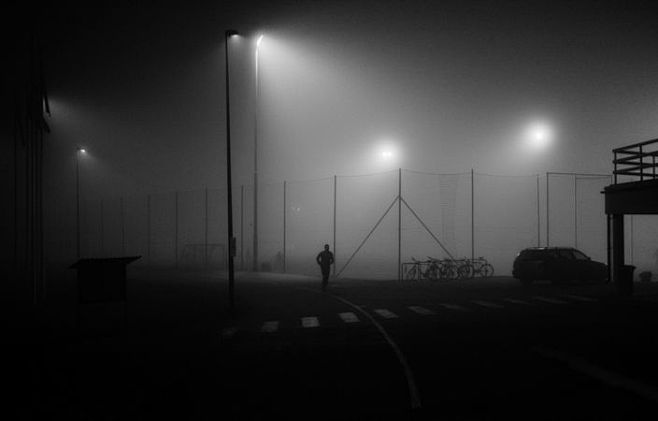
[331, 210]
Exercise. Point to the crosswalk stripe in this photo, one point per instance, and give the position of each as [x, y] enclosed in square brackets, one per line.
[228, 332]
[487, 304]
[515, 301]
[456, 307]
[349, 317]
[421, 310]
[270, 327]
[385, 313]
[550, 300]
[581, 298]
[310, 321]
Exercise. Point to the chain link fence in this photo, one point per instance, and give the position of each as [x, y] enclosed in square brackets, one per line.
[372, 222]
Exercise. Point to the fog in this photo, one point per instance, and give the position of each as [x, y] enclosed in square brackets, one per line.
[346, 89]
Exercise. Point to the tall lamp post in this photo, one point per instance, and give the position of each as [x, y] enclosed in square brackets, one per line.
[256, 113]
[79, 152]
[231, 240]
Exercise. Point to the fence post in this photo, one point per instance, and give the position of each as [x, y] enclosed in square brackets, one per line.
[122, 214]
[548, 212]
[399, 224]
[284, 225]
[538, 216]
[242, 227]
[176, 229]
[472, 214]
[102, 226]
[575, 210]
[148, 229]
[335, 196]
[205, 228]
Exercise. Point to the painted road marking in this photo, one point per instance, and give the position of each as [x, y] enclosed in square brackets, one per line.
[421, 310]
[414, 395]
[608, 377]
[385, 313]
[515, 301]
[349, 317]
[228, 332]
[310, 321]
[580, 298]
[550, 300]
[455, 307]
[487, 304]
[270, 327]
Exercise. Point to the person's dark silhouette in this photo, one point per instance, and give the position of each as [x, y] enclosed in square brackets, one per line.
[325, 259]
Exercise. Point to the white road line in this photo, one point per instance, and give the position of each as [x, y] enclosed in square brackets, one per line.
[605, 376]
[550, 300]
[581, 298]
[515, 301]
[414, 396]
[385, 313]
[487, 304]
[310, 321]
[421, 310]
[270, 327]
[349, 317]
[455, 307]
[228, 332]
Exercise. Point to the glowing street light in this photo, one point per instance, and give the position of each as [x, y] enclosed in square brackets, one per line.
[539, 135]
[386, 153]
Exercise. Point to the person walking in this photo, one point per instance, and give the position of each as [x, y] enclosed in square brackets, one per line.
[325, 259]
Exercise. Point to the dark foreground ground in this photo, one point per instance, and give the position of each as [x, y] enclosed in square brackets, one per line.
[478, 349]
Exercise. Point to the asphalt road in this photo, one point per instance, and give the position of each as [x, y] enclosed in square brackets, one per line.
[478, 349]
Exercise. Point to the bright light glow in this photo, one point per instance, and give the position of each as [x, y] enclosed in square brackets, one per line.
[260, 39]
[539, 135]
[386, 153]
[82, 150]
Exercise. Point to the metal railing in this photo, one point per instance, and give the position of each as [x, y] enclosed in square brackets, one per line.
[637, 160]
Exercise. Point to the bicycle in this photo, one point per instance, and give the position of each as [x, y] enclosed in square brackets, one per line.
[482, 267]
[418, 270]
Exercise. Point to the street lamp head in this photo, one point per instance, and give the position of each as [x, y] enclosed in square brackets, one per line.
[231, 33]
[82, 150]
[539, 135]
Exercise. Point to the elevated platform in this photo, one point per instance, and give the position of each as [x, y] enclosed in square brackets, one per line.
[637, 196]
[633, 198]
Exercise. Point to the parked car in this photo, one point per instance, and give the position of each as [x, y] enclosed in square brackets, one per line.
[557, 264]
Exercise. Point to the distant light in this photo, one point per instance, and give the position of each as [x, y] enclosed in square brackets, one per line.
[260, 39]
[539, 135]
[386, 153]
[231, 33]
[82, 150]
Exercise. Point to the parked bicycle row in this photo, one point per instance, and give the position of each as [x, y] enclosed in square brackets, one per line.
[446, 269]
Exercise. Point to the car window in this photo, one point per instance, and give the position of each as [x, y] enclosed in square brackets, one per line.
[565, 254]
[580, 255]
[531, 254]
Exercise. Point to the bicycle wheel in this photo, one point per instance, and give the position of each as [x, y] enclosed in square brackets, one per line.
[466, 271]
[450, 272]
[411, 274]
[432, 272]
[487, 270]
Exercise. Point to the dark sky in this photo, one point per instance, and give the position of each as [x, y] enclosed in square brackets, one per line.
[446, 86]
